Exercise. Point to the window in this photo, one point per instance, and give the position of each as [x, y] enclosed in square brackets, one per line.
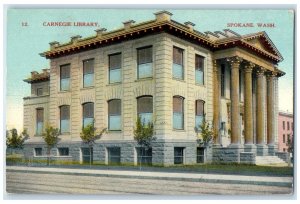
[292, 124]
[115, 68]
[64, 119]
[288, 125]
[199, 112]
[144, 155]
[63, 151]
[178, 63]
[178, 155]
[283, 138]
[65, 77]
[284, 149]
[114, 114]
[39, 121]
[88, 73]
[200, 155]
[39, 91]
[87, 155]
[223, 128]
[178, 112]
[144, 60]
[288, 137]
[88, 114]
[114, 155]
[199, 69]
[145, 108]
[38, 151]
[283, 125]
[222, 80]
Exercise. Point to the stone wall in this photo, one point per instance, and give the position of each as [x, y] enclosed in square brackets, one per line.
[247, 158]
[285, 156]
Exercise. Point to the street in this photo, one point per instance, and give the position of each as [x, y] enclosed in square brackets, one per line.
[52, 183]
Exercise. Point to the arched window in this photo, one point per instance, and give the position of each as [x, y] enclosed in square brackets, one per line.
[145, 108]
[178, 112]
[64, 118]
[114, 114]
[39, 121]
[199, 112]
[88, 113]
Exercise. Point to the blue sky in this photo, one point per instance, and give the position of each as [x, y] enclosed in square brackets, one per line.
[25, 43]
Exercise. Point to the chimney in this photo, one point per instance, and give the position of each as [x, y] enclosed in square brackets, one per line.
[53, 45]
[163, 16]
[190, 25]
[33, 73]
[74, 39]
[100, 31]
[128, 24]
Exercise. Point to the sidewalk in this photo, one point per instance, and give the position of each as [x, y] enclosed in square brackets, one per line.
[194, 177]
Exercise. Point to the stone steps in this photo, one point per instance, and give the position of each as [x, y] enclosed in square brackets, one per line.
[270, 161]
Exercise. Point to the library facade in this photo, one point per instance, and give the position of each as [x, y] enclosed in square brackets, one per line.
[165, 72]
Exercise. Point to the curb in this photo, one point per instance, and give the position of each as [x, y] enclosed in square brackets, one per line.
[206, 180]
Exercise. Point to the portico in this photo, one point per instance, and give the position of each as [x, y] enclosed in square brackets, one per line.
[259, 86]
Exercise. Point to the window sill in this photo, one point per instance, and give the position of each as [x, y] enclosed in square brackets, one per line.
[114, 131]
[202, 85]
[144, 79]
[64, 91]
[178, 130]
[114, 84]
[87, 88]
[65, 133]
[181, 80]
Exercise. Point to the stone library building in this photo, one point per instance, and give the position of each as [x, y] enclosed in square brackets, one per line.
[165, 72]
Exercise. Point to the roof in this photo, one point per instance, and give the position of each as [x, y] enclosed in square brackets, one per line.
[285, 113]
[214, 41]
[38, 77]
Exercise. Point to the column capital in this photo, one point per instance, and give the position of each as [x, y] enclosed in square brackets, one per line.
[234, 60]
[260, 71]
[249, 67]
[270, 75]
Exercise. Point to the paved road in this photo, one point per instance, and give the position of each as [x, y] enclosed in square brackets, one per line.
[44, 183]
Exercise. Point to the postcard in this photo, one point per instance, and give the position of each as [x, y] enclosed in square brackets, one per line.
[150, 101]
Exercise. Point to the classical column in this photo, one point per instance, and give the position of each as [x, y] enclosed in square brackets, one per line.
[216, 102]
[270, 113]
[248, 108]
[260, 113]
[235, 102]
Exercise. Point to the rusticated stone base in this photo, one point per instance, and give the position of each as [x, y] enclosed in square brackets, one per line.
[162, 151]
[261, 150]
[247, 157]
[230, 154]
[285, 156]
[250, 148]
[271, 150]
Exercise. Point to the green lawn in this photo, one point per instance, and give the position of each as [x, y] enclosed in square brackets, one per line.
[240, 169]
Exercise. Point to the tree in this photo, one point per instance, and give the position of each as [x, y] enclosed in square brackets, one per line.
[15, 141]
[205, 133]
[89, 137]
[51, 139]
[144, 135]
